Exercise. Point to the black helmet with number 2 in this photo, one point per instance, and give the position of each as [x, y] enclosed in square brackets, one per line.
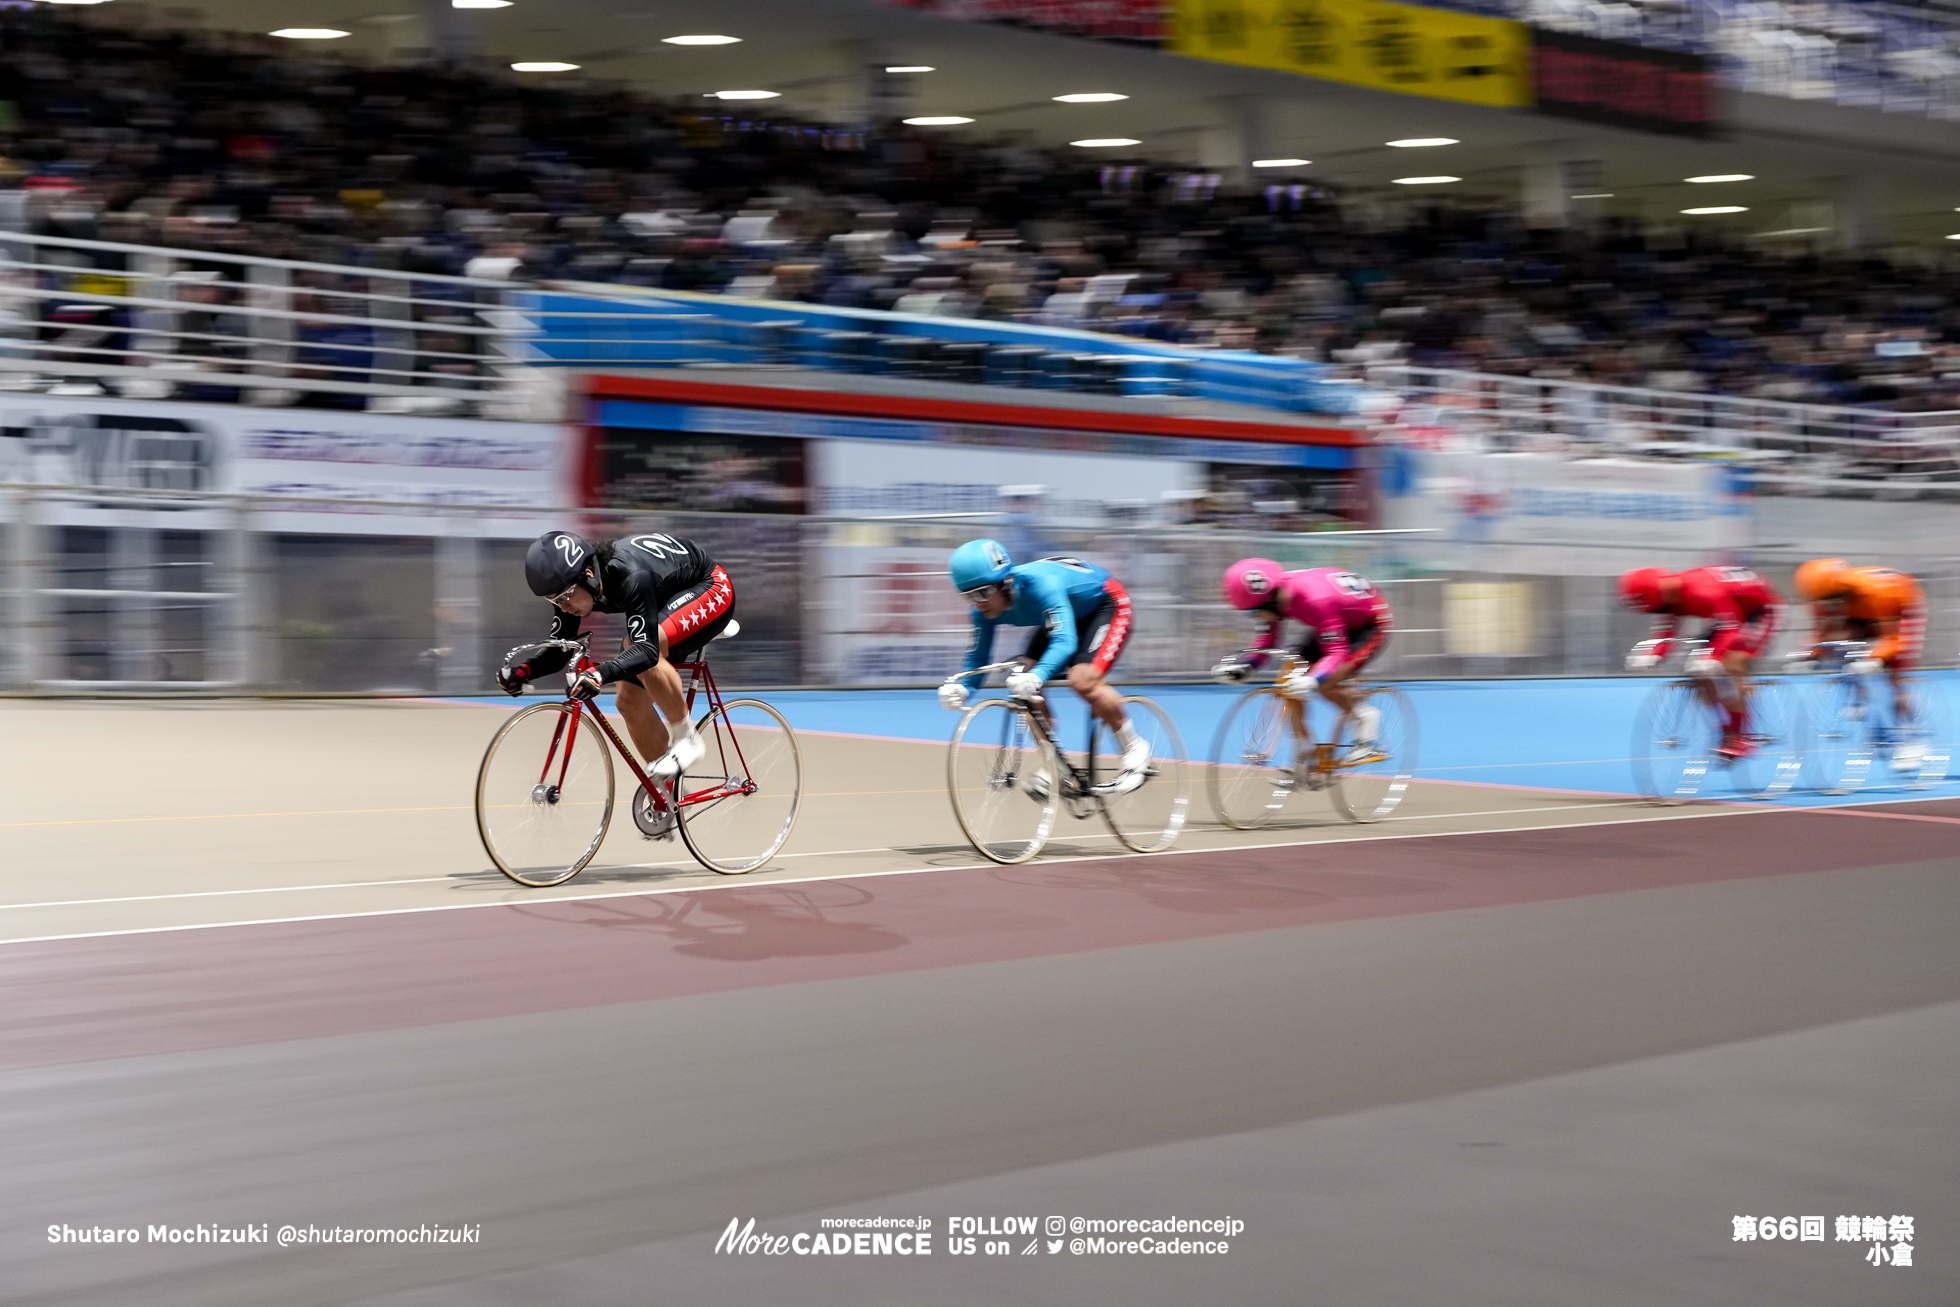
[556, 561]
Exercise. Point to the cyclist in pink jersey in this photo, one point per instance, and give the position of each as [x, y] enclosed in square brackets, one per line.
[1346, 620]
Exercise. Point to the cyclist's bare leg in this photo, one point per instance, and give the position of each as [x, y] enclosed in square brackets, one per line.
[1337, 690]
[1736, 698]
[1102, 697]
[1901, 701]
[646, 699]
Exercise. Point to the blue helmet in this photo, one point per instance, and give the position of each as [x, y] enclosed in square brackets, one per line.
[980, 562]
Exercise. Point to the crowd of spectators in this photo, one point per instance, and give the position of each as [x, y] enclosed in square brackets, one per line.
[226, 143]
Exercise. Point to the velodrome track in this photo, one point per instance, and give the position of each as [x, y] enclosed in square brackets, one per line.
[1533, 1042]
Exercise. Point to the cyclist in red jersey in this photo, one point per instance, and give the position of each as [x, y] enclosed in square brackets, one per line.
[1741, 609]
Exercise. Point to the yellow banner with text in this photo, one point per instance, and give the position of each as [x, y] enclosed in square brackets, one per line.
[1403, 48]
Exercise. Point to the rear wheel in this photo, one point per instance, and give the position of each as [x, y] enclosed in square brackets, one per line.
[1002, 779]
[1674, 742]
[1373, 785]
[738, 803]
[544, 795]
[1776, 730]
[1149, 817]
[1253, 757]
[1922, 745]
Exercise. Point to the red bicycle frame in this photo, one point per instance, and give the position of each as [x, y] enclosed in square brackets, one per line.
[699, 679]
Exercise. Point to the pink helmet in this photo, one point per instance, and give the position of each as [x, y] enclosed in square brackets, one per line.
[1250, 582]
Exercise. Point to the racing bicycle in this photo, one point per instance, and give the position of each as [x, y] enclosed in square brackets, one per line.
[1679, 729]
[1265, 751]
[544, 794]
[1008, 776]
[1855, 734]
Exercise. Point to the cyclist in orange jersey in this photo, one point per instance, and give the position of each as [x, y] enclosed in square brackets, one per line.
[1880, 607]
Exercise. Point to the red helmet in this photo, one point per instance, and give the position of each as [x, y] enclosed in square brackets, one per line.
[1641, 588]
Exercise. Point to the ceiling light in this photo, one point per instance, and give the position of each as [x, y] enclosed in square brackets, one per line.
[542, 66]
[700, 40]
[310, 33]
[1425, 181]
[1596, 195]
[910, 68]
[77, 2]
[1419, 142]
[1281, 163]
[1104, 143]
[1956, 235]
[1090, 97]
[479, 4]
[1722, 177]
[942, 120]
[1718, 208]
[744, 95]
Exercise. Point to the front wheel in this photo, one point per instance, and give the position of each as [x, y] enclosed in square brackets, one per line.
[1253, 759]
[544, 795]
[1674, 742]
[1840, 736]
[1002, 778]
[738, 803]
[1149, 817]
[1372, 776]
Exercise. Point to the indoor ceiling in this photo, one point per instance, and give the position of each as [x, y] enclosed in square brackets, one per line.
[815, 53]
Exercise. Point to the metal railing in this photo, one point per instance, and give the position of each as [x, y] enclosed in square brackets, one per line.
[118, 591]
[1787, 448]
[84, 317]
[145, 322]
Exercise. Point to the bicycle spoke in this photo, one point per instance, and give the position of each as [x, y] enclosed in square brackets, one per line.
[1253, 757]
[1149, 817]
[544, 795]
[739, 802]
[1775, 762]
[1840, 753]
[1674, 742]
[1372, 777]
[1003, 781]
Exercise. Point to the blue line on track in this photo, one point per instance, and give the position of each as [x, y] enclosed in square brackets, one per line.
[1550, 734]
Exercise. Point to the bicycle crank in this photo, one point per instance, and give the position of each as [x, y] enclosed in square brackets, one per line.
[654, 824]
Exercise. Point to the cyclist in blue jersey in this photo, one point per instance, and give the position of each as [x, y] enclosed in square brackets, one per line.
[1082, 618]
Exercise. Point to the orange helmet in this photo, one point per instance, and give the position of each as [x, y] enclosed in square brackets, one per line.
[1641, 588]
[1822, 578]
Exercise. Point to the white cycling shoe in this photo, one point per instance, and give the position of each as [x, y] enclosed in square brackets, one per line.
[1136, 764]
[1908, 757]
[681, 754]
[1367, 725]
[1039, 786]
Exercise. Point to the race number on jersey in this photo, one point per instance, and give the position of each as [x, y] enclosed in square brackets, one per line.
[1348, 583]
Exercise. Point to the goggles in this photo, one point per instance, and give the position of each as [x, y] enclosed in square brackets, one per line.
[565, 594]
[979, 594]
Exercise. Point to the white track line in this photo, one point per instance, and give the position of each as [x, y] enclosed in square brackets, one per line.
[817, 853]
[1684, 813]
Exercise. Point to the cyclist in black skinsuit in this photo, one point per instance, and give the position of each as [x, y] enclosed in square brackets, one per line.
[675, 599]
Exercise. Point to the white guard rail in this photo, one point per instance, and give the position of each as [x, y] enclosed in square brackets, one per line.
[1792, 449]
[86, 317]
